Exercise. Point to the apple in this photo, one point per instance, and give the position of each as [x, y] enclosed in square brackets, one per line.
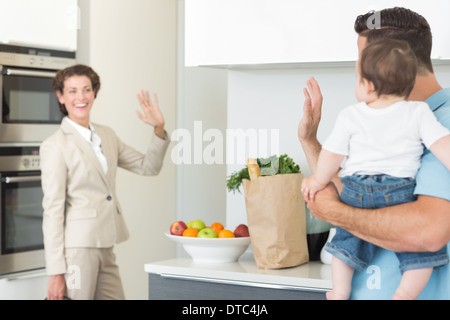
[177, 228]
[197, 224]
[207, 233]
[241, 231]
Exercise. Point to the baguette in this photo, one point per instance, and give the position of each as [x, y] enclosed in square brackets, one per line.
[254, 170]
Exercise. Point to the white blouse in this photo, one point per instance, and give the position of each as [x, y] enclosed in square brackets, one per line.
[91, 136]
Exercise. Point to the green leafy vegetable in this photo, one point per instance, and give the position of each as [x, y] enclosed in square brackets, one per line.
[269, 167]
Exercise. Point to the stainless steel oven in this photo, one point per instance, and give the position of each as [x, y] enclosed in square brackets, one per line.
[29, 105]
[21, 238]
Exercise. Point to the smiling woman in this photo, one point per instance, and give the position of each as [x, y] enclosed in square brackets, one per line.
[76, 89]
[82, 217]
[77, 99]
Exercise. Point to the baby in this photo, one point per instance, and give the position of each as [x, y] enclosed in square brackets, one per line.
[378, 144]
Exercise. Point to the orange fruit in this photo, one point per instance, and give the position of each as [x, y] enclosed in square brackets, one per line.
[226, 234]
[190, 232]
[217, 227]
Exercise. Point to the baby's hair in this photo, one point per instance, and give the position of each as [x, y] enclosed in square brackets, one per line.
[390, 65]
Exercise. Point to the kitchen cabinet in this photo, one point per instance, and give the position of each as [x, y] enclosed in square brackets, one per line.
[184, 279]
[255, 32]
[164, 287]
[50, 24]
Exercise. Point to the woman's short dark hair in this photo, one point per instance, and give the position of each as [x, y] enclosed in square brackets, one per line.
[76, 70]
[390, 65]
[401, 24]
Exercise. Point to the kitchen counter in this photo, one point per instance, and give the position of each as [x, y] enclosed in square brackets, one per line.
[184, 278]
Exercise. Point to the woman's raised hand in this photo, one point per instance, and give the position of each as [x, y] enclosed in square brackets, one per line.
[152, 114]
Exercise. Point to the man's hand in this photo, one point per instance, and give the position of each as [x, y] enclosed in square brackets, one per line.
[312, 112]
[326, 204]
[309, 124]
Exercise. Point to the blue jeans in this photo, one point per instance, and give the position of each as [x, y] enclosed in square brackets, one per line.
[371, 192]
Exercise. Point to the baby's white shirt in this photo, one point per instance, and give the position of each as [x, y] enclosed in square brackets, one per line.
[384, 141]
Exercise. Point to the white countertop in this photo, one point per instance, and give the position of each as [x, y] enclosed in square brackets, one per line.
[309, 276]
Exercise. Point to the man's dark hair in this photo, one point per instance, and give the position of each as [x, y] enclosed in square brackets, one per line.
[401, 24]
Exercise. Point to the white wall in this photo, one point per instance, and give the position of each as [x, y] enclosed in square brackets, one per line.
[132, 45]
[202, 96]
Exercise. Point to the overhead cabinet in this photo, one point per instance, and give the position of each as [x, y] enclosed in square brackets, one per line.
[249, 32]
[50, 24]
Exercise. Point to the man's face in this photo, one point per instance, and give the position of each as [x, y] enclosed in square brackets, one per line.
[362, 43]
[364, 88]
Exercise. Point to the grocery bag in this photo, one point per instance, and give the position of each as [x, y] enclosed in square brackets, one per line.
[277, 220]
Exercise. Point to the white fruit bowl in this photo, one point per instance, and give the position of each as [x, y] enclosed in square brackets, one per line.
[213, 250]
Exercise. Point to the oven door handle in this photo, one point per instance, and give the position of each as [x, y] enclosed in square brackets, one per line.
[29, 73]
[8, 180]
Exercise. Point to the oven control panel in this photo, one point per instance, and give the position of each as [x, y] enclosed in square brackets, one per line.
[30, 163]
[20, 56]
[24, 158]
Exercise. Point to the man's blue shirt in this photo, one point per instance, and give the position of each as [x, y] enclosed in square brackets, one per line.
[381, 279]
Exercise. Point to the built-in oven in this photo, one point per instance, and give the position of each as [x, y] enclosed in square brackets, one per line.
[21, 237]
[29, 107]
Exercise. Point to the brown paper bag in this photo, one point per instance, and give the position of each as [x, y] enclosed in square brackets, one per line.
[276, 220]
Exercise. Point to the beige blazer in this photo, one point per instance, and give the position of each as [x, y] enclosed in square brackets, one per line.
[80, 203]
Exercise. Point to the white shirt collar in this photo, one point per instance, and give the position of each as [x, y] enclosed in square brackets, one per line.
[89, 135]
